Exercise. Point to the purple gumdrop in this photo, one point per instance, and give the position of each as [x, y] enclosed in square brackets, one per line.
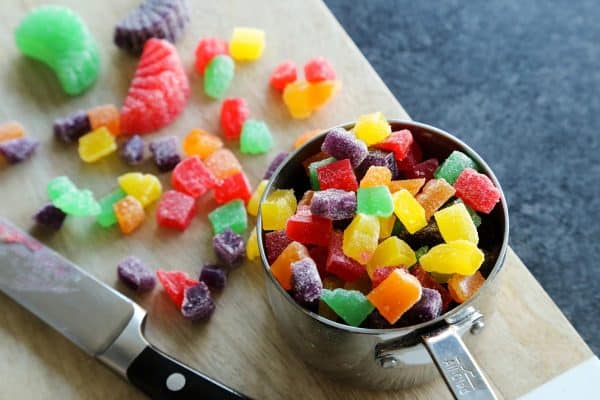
[376, 321]
[427, 308]
[70, 128]
[165, 152]
[133, 273]
[275, 243]
[197, 303]
[214, 276]
[306, 282]
[132, 151]
[50, 216]
[17, 150]
[279, 158]
[340, 143]
[334, 204]
[229, 247]
[378, 158]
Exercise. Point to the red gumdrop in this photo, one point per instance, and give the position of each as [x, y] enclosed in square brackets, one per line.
[207, 49]
[319, 69]
[380, 274]
[192, 177]
[398, 142]
[339, 264]
[412, 158]
[234, 112]
[309, 229]
[423, 169]
[319, 256]
[175, 210]
[175, 283]
[283, 74]
[234, 187]
[337, 175]
[477, 190]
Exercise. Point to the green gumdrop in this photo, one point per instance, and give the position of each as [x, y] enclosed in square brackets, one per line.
[59, 38]
[312, 171]
[79, 203]
[255, 138]
[375, 200]
[218, 76]
[351, 305]
[453, 166]
[230, 215]
[59, 186]
[107, 216]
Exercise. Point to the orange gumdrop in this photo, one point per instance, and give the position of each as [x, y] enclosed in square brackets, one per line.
[321, 93]
[305, 137]
[223, 164]
[462, 287]
[130, 214]
[396, 295]
[435, 194]
[11, 130]
[412, 185]
[106, 115]
[376, 176]
[201, 143]
[282, 267]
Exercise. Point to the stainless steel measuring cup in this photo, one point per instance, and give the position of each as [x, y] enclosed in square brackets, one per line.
[402, 357]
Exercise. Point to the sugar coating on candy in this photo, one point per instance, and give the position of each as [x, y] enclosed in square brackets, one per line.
[70, 128]
[312, 171]
[50, 216]
[197, 303]
[247, 44]
[398, 142]
[319, 69]
[107, 215]
[130, 214]
[477, 191]
[455, 223]
[334, 204]
[306, 282]
[254, 201]
[229, 247]
[309, 229]
[283, 74]
[427, 281]
[351, 305]
[218, 76]
[135, 274]
[96, 145]
[462, 288]
[376, 176]
[201, 143]
[214, 276]
[231, 215]
[391, 252]
[275, 163]
[321, 93]
[457, 257]
[275, 243]
[78, 202]
[234, 112]
[277, 208]
[296, 99]
[380, 274]
[234, 187]
[378, 158]
[11, 130]
[174, 283]
[256, 137]
[58, 186]
[339, 264]
[107, 116]
[165, 152]
[412, 185]
[409, 212]
[451, 168]
[372, 128]
[158, 92]
[424, 169]
[132, 151]
[175, 210]
[375, 200]
[434, 194]
[146, 188]
[252, 251]
[60, 39]
[223, 163]
[162, 19]
[396, 295]
[192, 177]
[361, 238]
[429, 307]
[337, 175]
[18, 150]
[474, 216]
[281, 268]
[306, 136]
[340, 143]
[207, 49]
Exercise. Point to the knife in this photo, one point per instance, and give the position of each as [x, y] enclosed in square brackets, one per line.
[97, 318]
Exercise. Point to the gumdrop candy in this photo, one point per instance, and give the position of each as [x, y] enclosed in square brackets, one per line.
[132, 151]
[427, 281]
[339, 264]
[96, 145]
[229, 247]
[477, 191]
[334, 204]
[398, 142]
[17, 150]
[283, 74]
[162, 19]
[174, 283]
[453, 165]
[275, 163]
[306, 199]
[312, 171]
[351, 305]
[457, 257]
[70, 128]
[376, 176]
[11, 130]
[207, 49]
[380, 274]
[197, 303]
[337, 175]
[393, 252]
[321, 93]
[319, 69]
[175, 210]
[158, 92]
[296, 99]
[192, 177]
[306, 228]
[146, 188]
[107, 216]
[378, 158]
[375, 200]
[231, 215]
[429, 307]
[234, 113]
[247, 44]
[409, 212]
[59, 186]
[201, 143]
[396, 295]
[256, 137]
[319, 256]
[434, 194]
[461, 287]
[424, 169]
[254, 201]
[372, 128]
[107, 116]
[306, 136]
[130, 214]
[165, 153]
[275, 243]
[386, 226]
[412, 185]
[79, 203]
[412, 158]
[306, 281]
[223, 164]
[59, 38]
[277, 208]
[281, 268]
[135, 274]
[455, 223]
[214, 276]
[234, 187]
[218, 76]
[50, 216]
[340, 143]
[252, 251]
[361, 238]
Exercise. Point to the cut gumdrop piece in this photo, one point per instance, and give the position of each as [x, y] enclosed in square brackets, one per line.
[174, 283]
[461, 287]
[351, 305]
[282, 267]
[192, 177]
[283, 74]
[396, 295]
[135, 274]
[434, 194]
[457, 257]
[175, 210]
[201, 143]
[477, 191]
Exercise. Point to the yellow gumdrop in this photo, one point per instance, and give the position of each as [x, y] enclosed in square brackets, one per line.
[386, 226]
[361, 238]
[297, 100]
[392, 252]
[321, 93]
[145, 188]
[252, 246]
[255, 198]
[96, 145]
[247, 44]
[277, 208]
[372, 128]
[457, 257]
[455, 223]
[409, 211]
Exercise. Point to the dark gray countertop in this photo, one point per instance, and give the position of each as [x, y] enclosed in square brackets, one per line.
[520, 82]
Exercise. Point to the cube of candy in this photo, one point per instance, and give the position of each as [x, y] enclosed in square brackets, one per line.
[70, 128]
[192, 177]
[165, 152]
[340, 143]
[11, 130]
[380, 274]
[206, 49]
[275, 243]
[247, 44]
[175, 210]
[375, 200]
[234, 113]
[412, 185]
[306, 282]
[361, 238]
[201, 143]
[392, 252]
[256, 137]
[477, 191]
[146, 188]
[132, 151]
[457, 257]
[229, 247]
[214, 276]
[429, 307]
[339, 264]
[223, 164]
[351, 305]
[254, 201]
[372, 128]
[309, 229]
[218, 76]
[59, 186]
[455, 223]
[107, 216]
[334, 204]
[96, 145]
[306, 136]
[409, 212]
[386, 226]
[50, 216]
[107, 116]
[231, 215]
[282, 267]
[461, 287]
[453, 165]
[197, 303]
[135, 274]
[277, 208]
[275, 163]
[337, 175]
[234, 187]
[398, 142]
[424, 169]
[252, 251]
[174, 283]
[17, 150]
[130, 214]
[376, 176]
[319, 69]
[312, 171]
[396, 295]
[434, 194]
[427, 281]
[412, 158]
[296, 99]
[321, 93]
[283, 74]
[79, 203]
[378, 158]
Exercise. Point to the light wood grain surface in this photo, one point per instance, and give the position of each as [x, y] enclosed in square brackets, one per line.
[527, 342]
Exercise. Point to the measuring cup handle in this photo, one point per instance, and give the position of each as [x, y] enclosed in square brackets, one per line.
[457, 366]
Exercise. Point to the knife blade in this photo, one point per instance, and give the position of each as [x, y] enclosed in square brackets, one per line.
[95, 317]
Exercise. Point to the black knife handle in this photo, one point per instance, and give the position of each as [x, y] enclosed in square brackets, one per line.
[162, 377]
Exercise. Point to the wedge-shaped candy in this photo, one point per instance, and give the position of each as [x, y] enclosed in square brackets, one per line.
[392, 252]
[361, 238]
[351, 305]
[396, 295]
[277, 208]
[455, 223]
[146, 188]
[409, 212]
[282, 267]
[457, 257]
[461, 287]
[96, 145]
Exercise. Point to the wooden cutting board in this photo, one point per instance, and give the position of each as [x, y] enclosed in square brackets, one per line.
[527, 342]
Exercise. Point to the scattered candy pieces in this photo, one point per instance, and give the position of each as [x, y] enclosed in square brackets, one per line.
[192, 177]
[132, 151]
[17, 150]
[175, 210]
[229, 247]
[70, 128]
[135, 274]
[218, 76]
[277, 209]
[319, 69]
[201, 143]
[247, 44]
[107, 216]
[234, 112]
[255, 138]
[197, 303]
[96, 145]
[283, 74]
[11, 130]
[165, 153]
[434, 194]
[234, 187]
[231, 215]
[174, 283]
[207, 49]
[50, 216]
[214, 276]
[275, 163]
[130, 214]
[223, 163]
[372, 128]
[107, 116]
[146, 188]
